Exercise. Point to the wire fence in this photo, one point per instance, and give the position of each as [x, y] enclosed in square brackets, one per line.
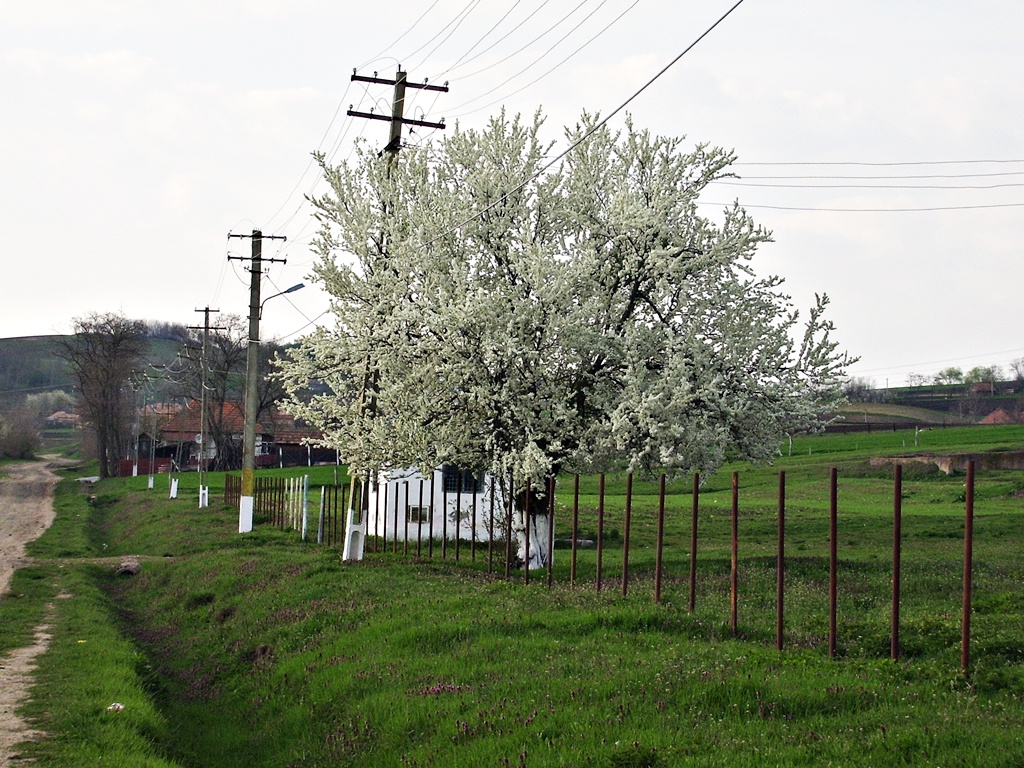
[278, 501]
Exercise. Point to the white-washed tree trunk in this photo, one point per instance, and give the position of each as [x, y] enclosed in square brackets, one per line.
[538, 538]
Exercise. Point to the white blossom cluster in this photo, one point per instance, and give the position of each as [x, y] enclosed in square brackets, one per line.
[498, 316]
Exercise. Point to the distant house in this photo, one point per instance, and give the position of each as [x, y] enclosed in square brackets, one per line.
[63, 420]
[280, 440]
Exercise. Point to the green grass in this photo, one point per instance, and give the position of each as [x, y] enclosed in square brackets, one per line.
[262, 650]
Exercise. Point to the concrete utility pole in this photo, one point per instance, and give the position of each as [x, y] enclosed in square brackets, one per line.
[204, 496]
[397, 106]
[356, 524]
[252, 359]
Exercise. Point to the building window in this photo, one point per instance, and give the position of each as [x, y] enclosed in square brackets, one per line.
[466, 480]
[417, 514]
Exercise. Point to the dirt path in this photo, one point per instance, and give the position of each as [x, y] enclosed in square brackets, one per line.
[26, 510]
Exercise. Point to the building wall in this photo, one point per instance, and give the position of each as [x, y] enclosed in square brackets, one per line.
[429, 507]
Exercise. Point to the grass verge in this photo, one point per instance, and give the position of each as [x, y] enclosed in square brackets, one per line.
[261, 650]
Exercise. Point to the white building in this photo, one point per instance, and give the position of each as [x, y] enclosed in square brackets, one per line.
[448, 503]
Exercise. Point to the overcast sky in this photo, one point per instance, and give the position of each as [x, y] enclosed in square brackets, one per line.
[137, 135]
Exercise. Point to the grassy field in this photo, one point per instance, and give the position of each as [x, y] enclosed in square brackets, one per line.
[263, 650]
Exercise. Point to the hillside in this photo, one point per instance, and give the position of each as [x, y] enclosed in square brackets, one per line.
[933, 405]
[30, 364]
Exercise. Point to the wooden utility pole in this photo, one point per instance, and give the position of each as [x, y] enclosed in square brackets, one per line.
[252, 358]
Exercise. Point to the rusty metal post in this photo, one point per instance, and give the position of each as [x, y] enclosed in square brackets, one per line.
[526, 518]
[472, 533]
[661, 539]
[383, 497]
[444, 518]
[551, 528]
[600, 527]
[734, 571]
[965, 627]
[575, 527]
[833, 558]
[625, 539]
[419, 522]
[394, 543]
[405, 544]
[490, 531]
[780, 589]
[694, 507]
[430, 507]
[897, 541]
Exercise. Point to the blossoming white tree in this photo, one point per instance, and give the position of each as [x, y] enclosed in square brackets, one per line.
[497, 316]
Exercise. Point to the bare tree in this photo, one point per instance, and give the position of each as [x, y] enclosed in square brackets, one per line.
[1017, 369]
[103, 355]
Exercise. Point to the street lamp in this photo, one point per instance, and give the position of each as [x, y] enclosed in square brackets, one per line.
[247, 500]
[280, 293]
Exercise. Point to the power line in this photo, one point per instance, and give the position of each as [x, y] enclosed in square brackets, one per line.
[739, 183]
[550, 28]
[300, 330]
[447, 37]
[563, 61]
[540, 58]
[401, 36]
[876, 164]
[892, 177]
[594, 129]
[464, 11]
[869, 210]
[461, 61]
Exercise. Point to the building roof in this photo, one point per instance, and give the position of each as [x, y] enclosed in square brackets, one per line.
[184, 425]
[999, 416]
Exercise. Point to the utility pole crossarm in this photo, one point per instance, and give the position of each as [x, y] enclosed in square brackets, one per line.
[396, 118]
[384, 81]
[387, 119]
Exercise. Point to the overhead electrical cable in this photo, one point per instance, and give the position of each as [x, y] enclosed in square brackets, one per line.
[536, 61]
[447, 37]
[462, 60]
[563, 61]
[878, 164]
[457, 20]
[300, 330]
[522, 48]
[596, 127]
[742, 183]
[869, 210]
[745, 177]
[401, 36]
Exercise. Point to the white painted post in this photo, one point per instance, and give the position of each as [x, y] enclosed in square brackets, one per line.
[355, 534]
[305, 505]
[320, 525]
[174, 487]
